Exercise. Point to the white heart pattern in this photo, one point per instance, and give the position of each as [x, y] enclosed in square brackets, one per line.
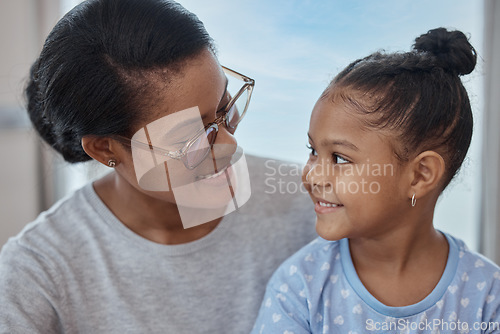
[344, 293]
[452, 317]
[308, 278]
[439, 304]
[357, 309]
[268, 302]
[465, 277]
[334, 278]
[284, 287]
[464, 302]
[281, 297]
[453, 288]
[481, 286]
[339, 320]
[325, 266]
[276, 317]
[293, 270]
[309, 258]
[479, 263]
[319, 317]
[490, 298]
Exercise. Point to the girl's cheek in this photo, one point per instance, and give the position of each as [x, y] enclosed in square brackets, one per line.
[305, 171]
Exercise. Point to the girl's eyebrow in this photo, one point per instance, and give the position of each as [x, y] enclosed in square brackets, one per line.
[337, 142]
[345, 143]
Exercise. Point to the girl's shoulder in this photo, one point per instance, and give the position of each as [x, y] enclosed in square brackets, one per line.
[472, 259]
[313, 261]
[473, 266]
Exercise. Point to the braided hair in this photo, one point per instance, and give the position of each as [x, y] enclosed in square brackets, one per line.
[418, 94]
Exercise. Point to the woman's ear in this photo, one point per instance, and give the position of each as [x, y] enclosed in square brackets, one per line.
[427, 171]
[101, 149]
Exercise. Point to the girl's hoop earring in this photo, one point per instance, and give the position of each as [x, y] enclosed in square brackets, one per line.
[111, 163]
[413, 200]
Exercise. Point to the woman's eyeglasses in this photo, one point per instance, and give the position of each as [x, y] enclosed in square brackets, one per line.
[196, 149]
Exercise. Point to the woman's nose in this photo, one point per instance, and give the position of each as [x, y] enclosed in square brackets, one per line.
[223, 148]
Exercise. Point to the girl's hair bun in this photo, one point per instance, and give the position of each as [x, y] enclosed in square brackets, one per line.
[452, 50]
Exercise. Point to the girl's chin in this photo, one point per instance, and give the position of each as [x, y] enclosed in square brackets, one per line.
[329, 230]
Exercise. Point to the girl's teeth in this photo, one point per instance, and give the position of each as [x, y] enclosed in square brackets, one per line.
[328, 205]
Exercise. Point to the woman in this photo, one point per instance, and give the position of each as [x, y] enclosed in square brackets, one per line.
[163, 244]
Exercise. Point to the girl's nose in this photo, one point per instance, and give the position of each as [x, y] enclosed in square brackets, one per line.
[317, 175]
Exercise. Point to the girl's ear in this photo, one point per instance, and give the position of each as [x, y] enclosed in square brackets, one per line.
[426, 173]
[101, 149]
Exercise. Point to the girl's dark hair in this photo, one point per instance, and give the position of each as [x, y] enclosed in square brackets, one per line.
[91, 76]
[418, 94]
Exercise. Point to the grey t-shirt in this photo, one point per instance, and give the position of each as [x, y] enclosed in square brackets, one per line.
[78, 269]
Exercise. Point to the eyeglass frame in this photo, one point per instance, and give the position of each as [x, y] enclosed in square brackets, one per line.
[249, 84]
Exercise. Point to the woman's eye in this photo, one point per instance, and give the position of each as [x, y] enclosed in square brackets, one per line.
[313, 151]
[339, 160]
[221, 110]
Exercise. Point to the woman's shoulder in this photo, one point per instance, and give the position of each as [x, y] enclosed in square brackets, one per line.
[57, 227]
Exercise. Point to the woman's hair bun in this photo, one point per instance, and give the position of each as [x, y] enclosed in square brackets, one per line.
[452, 50]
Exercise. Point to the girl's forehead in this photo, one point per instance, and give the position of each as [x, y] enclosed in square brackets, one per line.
[337, 116]
[336, 120]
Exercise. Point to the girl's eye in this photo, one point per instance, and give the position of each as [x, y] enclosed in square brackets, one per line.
[339, 160]
[313, 151]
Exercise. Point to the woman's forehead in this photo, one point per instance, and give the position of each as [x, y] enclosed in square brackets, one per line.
[200, 84]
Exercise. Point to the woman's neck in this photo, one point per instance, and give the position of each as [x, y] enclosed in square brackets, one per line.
[153, 219]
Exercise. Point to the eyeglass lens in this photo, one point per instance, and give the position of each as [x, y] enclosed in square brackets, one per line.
[236, 111]
[201, 147]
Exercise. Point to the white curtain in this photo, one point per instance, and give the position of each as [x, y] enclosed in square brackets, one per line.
[490, 245]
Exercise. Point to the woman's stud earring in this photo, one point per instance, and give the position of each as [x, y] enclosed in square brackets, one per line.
[413, 200]
[111, 163]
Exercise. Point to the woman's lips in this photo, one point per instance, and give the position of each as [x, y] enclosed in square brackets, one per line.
[220, 178]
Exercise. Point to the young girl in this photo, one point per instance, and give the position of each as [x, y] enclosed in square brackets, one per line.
[386, 138]
[136, 86]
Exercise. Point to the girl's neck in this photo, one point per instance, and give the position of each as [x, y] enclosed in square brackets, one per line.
[156, 220]
[402, 267]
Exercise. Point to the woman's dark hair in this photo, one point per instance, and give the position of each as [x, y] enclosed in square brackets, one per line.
[418, 94]
[91, 76]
